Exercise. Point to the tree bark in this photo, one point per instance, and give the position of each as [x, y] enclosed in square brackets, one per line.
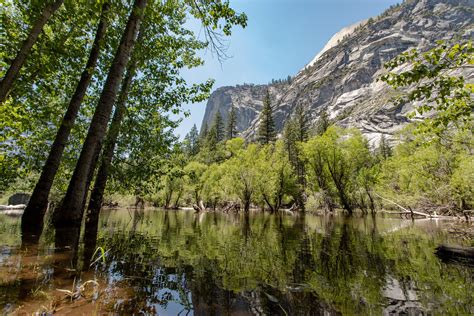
[71, 211]
[17, 63]
[97, 195]
[32, 219]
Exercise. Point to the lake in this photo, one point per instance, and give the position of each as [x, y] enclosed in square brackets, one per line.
[181, 263]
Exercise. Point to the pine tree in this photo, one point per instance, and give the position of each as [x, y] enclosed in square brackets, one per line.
[203, 135]
[301, 123]
[211, 138]
[218, 126]
[384, 150]
[194, 140]
[295, 132]
[266, 130]
[231, 124]
[322, 124]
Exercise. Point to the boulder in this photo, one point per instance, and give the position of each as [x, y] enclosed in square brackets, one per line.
[19, 198]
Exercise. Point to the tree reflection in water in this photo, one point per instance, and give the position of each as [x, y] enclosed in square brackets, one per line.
[176, 262]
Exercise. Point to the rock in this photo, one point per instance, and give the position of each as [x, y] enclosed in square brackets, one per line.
[19, 198]
[342, 79]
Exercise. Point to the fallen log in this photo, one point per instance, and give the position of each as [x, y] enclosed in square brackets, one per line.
[12, 207]
[456, 253]
[405, 210]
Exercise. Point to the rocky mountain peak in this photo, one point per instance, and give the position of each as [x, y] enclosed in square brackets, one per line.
[342, 78]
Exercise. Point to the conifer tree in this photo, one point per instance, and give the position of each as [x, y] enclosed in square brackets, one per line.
[301, 123]
[218, 127]
[322, 124]
[203, 135]
[384, 150]
[295, 132]
[204, 131]
[266, 130]
[231, 130]
[194, 140]
[211, 138]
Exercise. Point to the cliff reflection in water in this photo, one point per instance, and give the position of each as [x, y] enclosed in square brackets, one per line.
[171, 262]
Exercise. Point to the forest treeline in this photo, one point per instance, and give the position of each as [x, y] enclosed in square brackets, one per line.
[428, 166]
[334, 169]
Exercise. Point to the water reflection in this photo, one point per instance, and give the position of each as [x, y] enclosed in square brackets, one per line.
[176, 262]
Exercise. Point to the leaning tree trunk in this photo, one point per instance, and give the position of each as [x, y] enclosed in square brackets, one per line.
[17, 63]
[71, 211]
[32, 219]
[97, 195]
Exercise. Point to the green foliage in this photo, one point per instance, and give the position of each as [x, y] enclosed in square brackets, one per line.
[216, 133]
[322, 124]
[335, 159]
[195, 180]
[277, 178]
[191, 142]
[384, 150]
[166, 45]
[432, 80]
[242, 176]
[295, 132]
[424, 175]
[30, 116]
[169, 188]
[461, 181]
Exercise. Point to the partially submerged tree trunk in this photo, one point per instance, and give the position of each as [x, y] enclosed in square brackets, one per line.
[17, 63]
[71, 212]
[97, 195]
[456, 253]
[32, 219]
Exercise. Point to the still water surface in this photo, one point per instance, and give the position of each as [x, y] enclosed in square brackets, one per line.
[180, 263]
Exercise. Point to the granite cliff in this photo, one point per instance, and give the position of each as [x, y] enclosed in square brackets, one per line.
[342, 78]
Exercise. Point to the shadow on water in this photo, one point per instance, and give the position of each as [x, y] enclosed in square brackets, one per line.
[178, 262]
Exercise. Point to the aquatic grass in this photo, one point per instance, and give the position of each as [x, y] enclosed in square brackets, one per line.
[102, 252]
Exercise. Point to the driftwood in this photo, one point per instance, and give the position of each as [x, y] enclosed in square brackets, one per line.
[294, 208]
[405, 210]
[12, 207]
[456, 253]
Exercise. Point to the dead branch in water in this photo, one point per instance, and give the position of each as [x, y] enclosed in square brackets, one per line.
[405, 210]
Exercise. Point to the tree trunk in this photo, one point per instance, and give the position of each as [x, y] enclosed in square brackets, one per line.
[456, 253]
[32, 219]
[176, 202]
[17, 63]
[246, 206]
[97, 195]
[71, 212]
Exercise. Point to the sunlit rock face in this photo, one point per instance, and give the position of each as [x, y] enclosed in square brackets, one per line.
[342, 78]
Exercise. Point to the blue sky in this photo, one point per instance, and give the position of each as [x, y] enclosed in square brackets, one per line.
[282, 36]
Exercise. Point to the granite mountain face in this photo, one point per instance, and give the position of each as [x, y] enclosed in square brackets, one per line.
[343, 78]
